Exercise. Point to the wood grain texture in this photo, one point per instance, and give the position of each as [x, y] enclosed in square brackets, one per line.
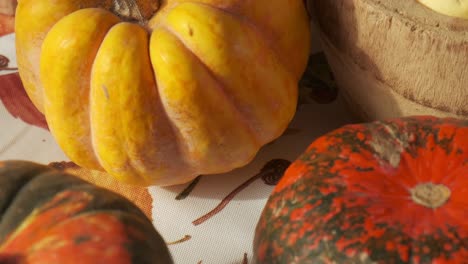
[395, 58]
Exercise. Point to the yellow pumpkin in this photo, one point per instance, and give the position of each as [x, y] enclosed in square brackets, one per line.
[156, 93]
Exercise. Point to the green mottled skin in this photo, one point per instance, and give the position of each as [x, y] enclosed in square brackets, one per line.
[66, 218]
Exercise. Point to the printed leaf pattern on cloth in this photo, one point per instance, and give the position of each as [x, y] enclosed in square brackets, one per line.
[16, 101]
[7, 19]
[7, 24]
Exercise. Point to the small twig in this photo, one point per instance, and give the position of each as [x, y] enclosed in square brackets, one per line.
[271, 169]
[8, 69]
[185, 238]
[188, 189]
[225, 201]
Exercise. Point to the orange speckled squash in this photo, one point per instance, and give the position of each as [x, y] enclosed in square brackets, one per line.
[158, 92]
[391, 191]
[48, 217]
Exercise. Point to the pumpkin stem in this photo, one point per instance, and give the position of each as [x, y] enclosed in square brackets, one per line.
[430, 195]
[135, 10]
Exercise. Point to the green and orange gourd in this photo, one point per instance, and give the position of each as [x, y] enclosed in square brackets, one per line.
[49, 217]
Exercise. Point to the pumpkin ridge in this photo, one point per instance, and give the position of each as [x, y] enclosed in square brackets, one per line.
[262, 41]
[124, 139]
[268, 41]
[181, 149]
[181, 146]
[222, 86]
[192, 156]
[120, 125]
[78, 106]
[92, 140]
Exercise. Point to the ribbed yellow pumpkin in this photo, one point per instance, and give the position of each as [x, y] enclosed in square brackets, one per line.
[158, 92]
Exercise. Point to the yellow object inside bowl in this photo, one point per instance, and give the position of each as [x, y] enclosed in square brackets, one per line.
[454, 8]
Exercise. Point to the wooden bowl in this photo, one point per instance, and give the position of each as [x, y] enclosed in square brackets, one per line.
[396, 57]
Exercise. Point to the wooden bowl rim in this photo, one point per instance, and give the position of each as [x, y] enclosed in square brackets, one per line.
[422, 17]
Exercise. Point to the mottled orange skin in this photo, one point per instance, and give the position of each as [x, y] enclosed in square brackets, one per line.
[347, 198]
